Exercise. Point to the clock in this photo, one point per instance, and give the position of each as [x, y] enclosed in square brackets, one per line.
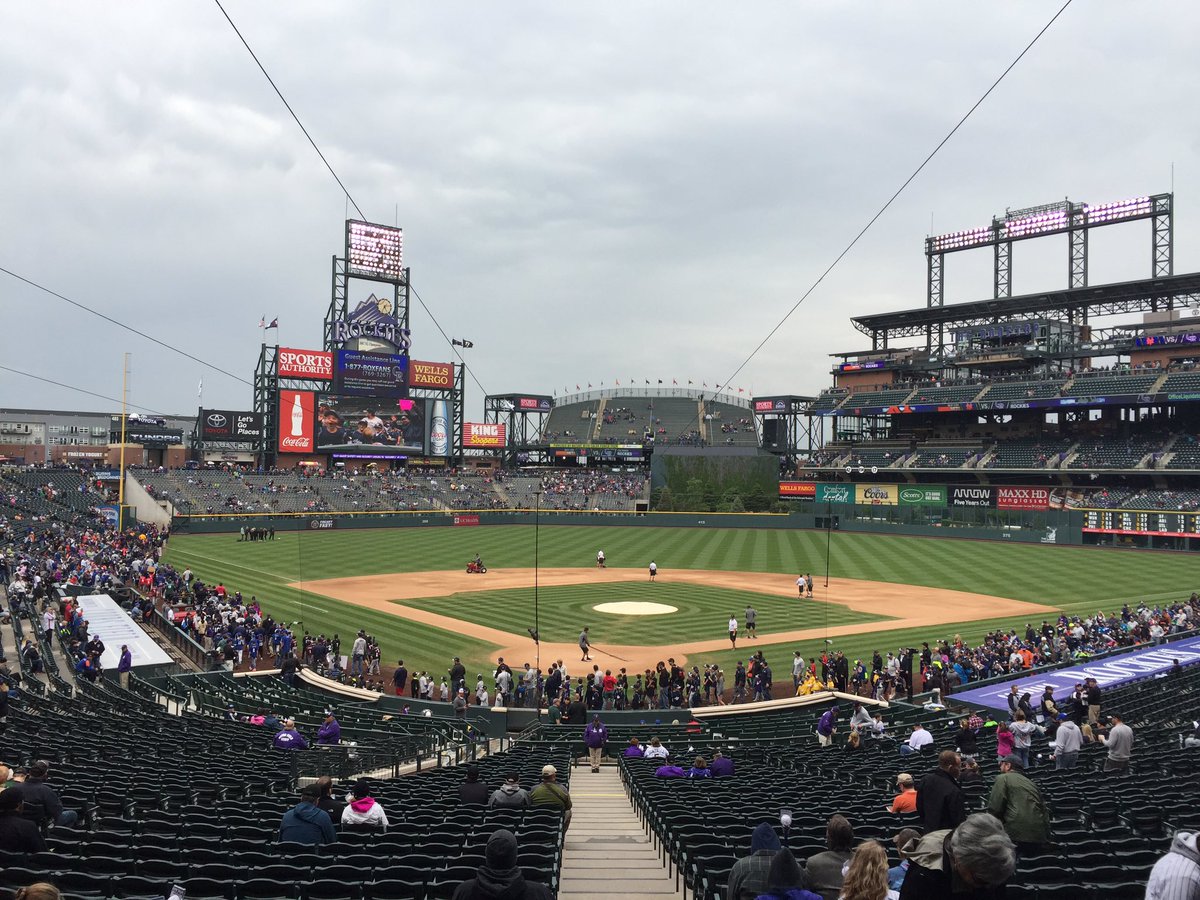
[384, 305]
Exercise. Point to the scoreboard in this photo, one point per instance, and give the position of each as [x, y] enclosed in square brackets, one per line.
[1161, 524]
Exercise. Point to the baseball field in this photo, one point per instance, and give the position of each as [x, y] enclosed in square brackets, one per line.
[408, 587]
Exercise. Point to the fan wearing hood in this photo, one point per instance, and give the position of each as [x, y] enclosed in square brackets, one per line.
[1178, 873]
[361, 808]
[499, 878]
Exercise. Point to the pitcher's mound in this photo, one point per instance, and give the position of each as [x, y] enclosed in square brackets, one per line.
[635, 608]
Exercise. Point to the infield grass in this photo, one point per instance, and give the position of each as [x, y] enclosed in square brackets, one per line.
[1077, 580]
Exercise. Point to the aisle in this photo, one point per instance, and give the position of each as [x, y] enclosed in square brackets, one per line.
[607, 852]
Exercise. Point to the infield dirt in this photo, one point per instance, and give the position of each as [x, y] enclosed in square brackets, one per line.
[910, 606]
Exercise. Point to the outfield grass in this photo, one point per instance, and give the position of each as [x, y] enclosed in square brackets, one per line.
[1078, 580]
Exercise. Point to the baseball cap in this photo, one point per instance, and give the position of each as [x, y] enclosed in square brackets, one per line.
[549, 770]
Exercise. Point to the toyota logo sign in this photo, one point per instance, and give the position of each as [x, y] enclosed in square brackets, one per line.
[216, 420]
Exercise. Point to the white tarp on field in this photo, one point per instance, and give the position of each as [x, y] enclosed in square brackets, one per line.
[107, 621]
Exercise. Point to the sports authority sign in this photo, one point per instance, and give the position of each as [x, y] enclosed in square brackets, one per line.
[480, 434]
[229, 425]
[1022, 498]
[315, 364]
[430, 375]
[296, 422]
[803, 490]
[540, 403]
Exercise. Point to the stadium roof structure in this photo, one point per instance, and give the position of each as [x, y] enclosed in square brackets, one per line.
[1146, 295]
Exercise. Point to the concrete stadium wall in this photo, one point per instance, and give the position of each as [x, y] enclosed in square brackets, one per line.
[1062, 527]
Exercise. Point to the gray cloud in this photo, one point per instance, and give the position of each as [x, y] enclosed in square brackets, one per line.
[588, 191]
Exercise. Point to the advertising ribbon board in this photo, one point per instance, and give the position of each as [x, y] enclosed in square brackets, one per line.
[835, 493]
[923, 495]
[876, 494]
[430, 374]
[314, 364]
[806, 490]
[972, 496]
[296, 422]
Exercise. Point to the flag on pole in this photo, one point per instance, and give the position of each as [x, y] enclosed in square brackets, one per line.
[200, 389]
[464, 343]
[262, 323]
[274, 323]
[673, 381]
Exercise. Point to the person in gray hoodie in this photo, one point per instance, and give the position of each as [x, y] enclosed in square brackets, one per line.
[510, 794]
[748, 877]
[499, 878]
[1177, 875]
[307, 823]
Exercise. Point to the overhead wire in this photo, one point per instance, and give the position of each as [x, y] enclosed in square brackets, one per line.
[107, 318]
[892, 199]
[80, 390]
[262, 68]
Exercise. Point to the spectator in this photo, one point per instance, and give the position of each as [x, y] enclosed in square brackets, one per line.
[330, 733]
[307, 823]
[510, 794]
[902, 839]
[785, 880]
[361, 808]
[917, 741]
[656, 750]
[1067, 741]
[748, 877]
[634, 750]
[40, 890]
[473, 791]
[1023, 731]
[499, 878]
[124, 664]
[41, 802]
[722, 765]
[867, 876]
[595, 736]
[699, 769]
[1177, 875]
[825, 869]
[1016, 801]
[827, 726]
[972, 861]
[906, 800]
[1004, 741]
[1119, 743]
[289, 738]
[965, 739]
[551, 793]
[861, 718]
[940, 800]
[18, 834]
[325, 800]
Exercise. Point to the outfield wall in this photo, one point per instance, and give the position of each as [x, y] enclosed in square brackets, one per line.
[1043, 526]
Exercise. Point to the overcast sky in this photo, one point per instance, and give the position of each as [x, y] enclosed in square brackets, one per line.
[588, 191]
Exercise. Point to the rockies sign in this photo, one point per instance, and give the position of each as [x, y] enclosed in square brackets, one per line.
[229, 425]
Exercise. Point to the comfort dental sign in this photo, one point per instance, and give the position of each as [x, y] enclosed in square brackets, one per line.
[1108, 673]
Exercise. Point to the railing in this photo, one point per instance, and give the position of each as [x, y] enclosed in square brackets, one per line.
[687, 393]
[181, 641]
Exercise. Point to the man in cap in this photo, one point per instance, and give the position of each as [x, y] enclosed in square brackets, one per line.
[551, 793]
[906, 800]
[1016, 801]
[500, 876]
[307, 823]
[1067, 741]
[330, 732]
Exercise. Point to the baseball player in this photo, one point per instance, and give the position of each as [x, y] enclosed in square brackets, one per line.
[733, 630]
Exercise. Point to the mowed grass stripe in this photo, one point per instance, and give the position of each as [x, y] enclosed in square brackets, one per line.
[1077, 580]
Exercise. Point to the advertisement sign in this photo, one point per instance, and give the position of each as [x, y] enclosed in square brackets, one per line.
[923, 495]
[972, 496]
[314, 364]
[321, 524]
[542, 403]
[296, 422]
[805, 490]
[466, 520]
[835, 493]
[437, 437]
[1022, 498]
[229, 425]
[770, 406]
[876, 494]
[1155, 340]
[357, 374]
[148, 432]
[860, 366]
[479, 434]
[431, 375]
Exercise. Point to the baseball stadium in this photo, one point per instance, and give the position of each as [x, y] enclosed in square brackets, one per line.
[927, 629]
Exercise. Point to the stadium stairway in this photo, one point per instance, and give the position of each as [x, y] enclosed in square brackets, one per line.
[607, 851]
[595, 435]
